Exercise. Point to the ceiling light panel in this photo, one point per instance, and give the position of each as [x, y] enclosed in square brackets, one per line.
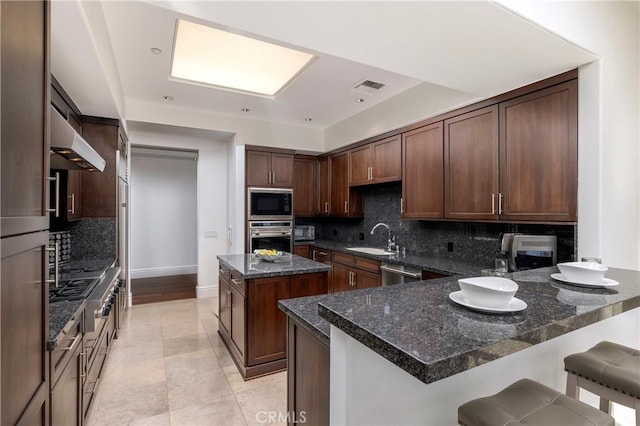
[213, 57]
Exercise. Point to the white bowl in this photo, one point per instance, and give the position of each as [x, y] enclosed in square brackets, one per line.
[489, 292]
[583, 272]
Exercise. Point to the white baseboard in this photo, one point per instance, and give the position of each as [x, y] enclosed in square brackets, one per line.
[163, 271]
[206, 291]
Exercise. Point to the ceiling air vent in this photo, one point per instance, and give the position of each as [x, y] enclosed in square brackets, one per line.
[368, 86]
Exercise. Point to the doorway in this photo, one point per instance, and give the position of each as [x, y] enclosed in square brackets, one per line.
[163, 224]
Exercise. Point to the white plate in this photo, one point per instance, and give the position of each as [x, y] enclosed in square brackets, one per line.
[606, 282]
[514, 306]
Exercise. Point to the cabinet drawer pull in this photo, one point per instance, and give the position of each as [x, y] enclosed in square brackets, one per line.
[73, 343]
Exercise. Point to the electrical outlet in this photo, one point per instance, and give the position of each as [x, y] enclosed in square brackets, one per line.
[449, 246]
[362, 236]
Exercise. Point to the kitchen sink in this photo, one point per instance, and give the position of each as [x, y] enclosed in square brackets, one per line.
[372, 250]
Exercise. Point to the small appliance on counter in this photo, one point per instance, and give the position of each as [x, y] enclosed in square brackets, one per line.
[304, 233]
[529, 251]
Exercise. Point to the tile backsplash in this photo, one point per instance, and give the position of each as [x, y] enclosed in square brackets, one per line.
[94, 238]
[475, 242]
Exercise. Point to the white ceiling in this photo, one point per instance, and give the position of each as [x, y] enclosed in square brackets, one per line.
[475, 47]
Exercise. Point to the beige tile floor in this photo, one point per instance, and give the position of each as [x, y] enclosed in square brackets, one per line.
[169, 367]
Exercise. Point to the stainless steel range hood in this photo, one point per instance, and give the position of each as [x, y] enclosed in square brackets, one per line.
[69, 150]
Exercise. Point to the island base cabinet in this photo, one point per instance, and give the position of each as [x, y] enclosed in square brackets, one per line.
[250, 323]
[266, 323]
[307, 376]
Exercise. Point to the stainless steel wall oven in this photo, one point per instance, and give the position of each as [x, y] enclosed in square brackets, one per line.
[276, 235]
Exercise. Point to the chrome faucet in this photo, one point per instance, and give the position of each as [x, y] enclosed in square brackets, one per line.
[391, 243]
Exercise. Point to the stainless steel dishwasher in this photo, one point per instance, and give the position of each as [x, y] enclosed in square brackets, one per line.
[398, 274]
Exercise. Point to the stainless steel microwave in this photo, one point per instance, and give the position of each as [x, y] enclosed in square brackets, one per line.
[270, 204]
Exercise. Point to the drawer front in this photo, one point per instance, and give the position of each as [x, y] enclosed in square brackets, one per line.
[321, 255]
[224, 272]
[367, 264]
[64, 352]
[345, 259]
[237, 282]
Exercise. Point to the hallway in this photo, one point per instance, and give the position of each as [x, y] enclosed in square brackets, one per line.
[169, 367]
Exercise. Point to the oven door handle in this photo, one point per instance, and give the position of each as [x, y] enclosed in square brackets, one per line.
[270, 234]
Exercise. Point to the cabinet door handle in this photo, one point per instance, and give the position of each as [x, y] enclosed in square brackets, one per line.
[346, 207]
[56, 178]
[313, 255]
[229, 294]
[326, 207]
[401, 205]
[73, 203]
[56, 265]
[493, 203]
[236, 282]
[500, 198]
[224, 271]
[274, 177]
[83, 373]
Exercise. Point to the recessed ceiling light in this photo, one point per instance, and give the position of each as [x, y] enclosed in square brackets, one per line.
[245, 110]
[205, 55]
[167, 98]
[308, 119]
[156, 51]
[359, 100]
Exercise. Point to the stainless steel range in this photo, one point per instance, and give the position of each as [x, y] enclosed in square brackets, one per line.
[96, 282]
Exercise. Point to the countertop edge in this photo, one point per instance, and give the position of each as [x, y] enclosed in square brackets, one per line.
[465, 361]
[53, 343]
[326, 339]
[315, 269]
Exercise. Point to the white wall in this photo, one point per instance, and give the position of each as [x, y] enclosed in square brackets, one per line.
[413, 105]
[235, 197]
[163, 215]
[211, 189]
[609, 116]
[247, 132]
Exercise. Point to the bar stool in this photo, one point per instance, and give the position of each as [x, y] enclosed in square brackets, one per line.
[609, 370]
[531, 403]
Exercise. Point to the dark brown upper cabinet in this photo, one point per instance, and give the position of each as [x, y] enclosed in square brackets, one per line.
[304, 185]
[269, 169]
[344, 201]
[324, 186]
[25, 81]
[539, 155]
[471, 165]
[423, 172]
[376, 162]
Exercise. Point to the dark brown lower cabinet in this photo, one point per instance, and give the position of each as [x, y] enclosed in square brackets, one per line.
[66, 378]
[303, 251]
[307, 376]
[24, 315]
[250, 323]
[354, 273]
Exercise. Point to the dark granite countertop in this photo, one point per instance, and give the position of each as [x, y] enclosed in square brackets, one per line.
[428, 263]
[61, 315]
[417, 327]
[251, 267]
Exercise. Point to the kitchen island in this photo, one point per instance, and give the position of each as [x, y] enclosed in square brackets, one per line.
[250, 323]
[406, 354]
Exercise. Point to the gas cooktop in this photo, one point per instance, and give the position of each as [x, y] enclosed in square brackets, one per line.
[76, 289]
[77, 279]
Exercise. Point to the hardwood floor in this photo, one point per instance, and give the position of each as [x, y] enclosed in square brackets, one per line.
[163, 289]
